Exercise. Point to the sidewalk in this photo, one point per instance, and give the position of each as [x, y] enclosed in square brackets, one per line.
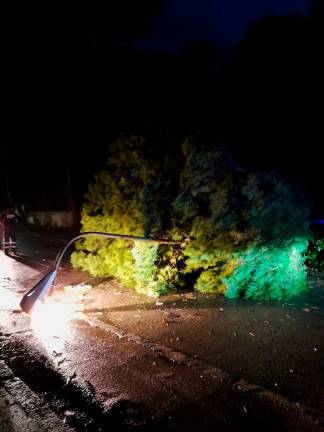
[277, 346]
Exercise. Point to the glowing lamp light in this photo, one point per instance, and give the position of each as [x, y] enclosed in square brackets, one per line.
[40, 290]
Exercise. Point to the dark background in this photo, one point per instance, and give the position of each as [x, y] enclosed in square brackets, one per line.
[246, 74]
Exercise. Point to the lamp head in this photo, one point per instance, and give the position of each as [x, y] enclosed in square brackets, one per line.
[38, 292]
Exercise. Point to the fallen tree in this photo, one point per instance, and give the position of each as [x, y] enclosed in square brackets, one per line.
[241, 234]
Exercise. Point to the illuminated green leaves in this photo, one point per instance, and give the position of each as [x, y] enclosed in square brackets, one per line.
[242, 234]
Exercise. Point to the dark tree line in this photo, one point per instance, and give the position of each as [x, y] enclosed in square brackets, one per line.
[273, 93]
[74, 83]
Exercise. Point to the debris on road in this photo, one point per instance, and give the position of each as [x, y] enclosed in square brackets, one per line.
[91, 387]
[70, 379]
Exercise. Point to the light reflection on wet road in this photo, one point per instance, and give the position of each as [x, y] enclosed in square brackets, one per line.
[263, 342]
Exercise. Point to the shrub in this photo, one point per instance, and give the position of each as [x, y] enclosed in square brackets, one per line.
[246, 233]
[131, 196]
[241, 234]
[314, 255]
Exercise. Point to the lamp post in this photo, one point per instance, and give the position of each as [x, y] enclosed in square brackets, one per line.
[40, 290]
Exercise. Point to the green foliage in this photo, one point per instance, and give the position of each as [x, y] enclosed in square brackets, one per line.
[240, 234]
[131, 196]
[113, 205]
[269, 273]
[314, 255]
[272, 266]
[242, 230]
[106, 259]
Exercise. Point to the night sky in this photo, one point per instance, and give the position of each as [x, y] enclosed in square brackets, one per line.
[75, 79]
[223, 22]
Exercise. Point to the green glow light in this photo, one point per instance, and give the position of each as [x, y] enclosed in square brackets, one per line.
[269, 272]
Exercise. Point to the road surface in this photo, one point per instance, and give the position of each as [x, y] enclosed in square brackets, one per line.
[185, 362]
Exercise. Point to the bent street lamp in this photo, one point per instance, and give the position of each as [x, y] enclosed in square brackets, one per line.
[40, 290]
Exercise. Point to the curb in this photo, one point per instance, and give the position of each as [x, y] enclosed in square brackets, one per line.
[240, 384]
[23, 409]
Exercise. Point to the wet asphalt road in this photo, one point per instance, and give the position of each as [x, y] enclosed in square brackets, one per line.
[184, 362]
